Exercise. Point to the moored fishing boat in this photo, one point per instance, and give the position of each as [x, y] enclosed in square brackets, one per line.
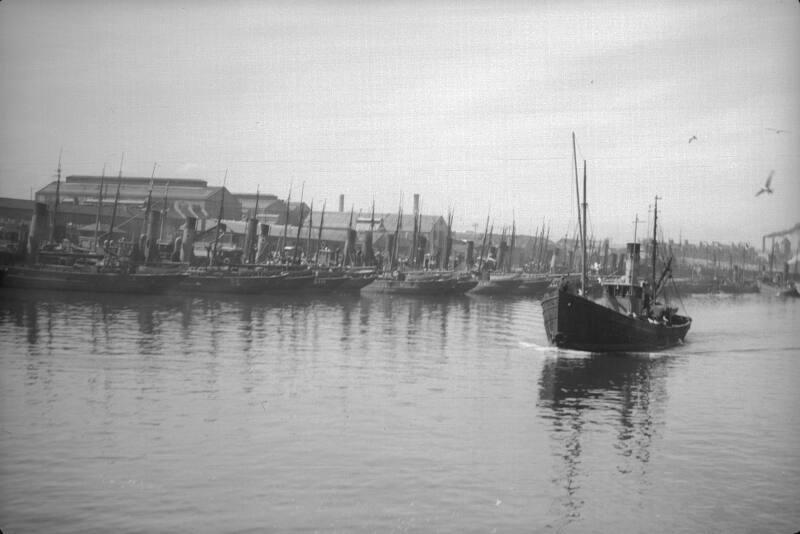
[533, 285]
[328, 280]
[222, 280]
[426, 283]
[92, 278]
[492, 283]
[790, 291]
[246, 279]
[357, 279]
[777, 287]
[738, 288]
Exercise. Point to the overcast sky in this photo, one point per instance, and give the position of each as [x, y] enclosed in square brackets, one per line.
[470, 104]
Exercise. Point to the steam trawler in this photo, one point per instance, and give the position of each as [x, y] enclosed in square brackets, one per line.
[627, 318]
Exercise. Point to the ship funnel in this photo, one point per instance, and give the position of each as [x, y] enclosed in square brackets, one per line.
[632, 264]
[263, 236]
[187, 243]
[250, 237]
[38, 230]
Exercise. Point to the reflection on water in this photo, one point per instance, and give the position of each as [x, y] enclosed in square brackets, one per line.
[601, 399]
[379, 414]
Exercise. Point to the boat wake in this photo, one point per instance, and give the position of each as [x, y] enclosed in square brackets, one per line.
[537, 347]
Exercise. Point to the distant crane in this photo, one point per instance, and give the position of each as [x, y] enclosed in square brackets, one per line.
[766, 188]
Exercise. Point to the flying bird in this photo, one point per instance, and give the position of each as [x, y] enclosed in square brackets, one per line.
[693, 138]
[766, 188]
[777, 131]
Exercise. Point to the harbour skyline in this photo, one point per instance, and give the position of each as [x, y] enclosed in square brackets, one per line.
[468, 105]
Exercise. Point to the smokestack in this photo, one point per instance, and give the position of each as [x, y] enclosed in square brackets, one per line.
[416, 203]
[341, 203]
[38, 229]
[632, 265]
[187, 243]
[263, 235]
[369, 255]
[151, 241]
[349, 247]
[250, 238]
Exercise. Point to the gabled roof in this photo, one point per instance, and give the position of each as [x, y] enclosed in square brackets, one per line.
[427, 222]
[173, 182]
[240, 227]
[250, 198]
[130, 187]
[333, 219]
[16, 204]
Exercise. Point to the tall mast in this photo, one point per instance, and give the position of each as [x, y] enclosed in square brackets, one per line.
[544, 243]
[489, 244]
[219, 219]
[414, 239]
[483, 244]
[149, 201]
[583, 234]
[348, 244]
[99, 207]
[164, 211]
[577, 191]
[513, 240]
[299, 223]
[255, 210]
[399, 225]
[448, 244]
[116, 199]
[286, 221]
[310, 224]
[419, 240]
[540, 242]
[636, 226]
[58, 197]
[655, 241]
[319, 235]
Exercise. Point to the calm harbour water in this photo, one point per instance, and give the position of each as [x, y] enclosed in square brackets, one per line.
[380, 414]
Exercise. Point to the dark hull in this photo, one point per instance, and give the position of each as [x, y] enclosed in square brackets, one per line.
[247, 285]
[498, 286]
[354, 284]
[574, 322]
[533, 287]
[779, 290]
[451, 286]
[327, 283]
[739, 289]
[689, 287]
[57, 278]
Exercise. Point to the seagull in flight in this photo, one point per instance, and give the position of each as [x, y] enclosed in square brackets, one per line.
[777, 131]
[693, 138]
[766, 188]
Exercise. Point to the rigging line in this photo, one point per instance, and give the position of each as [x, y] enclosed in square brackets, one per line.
[683, 306]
